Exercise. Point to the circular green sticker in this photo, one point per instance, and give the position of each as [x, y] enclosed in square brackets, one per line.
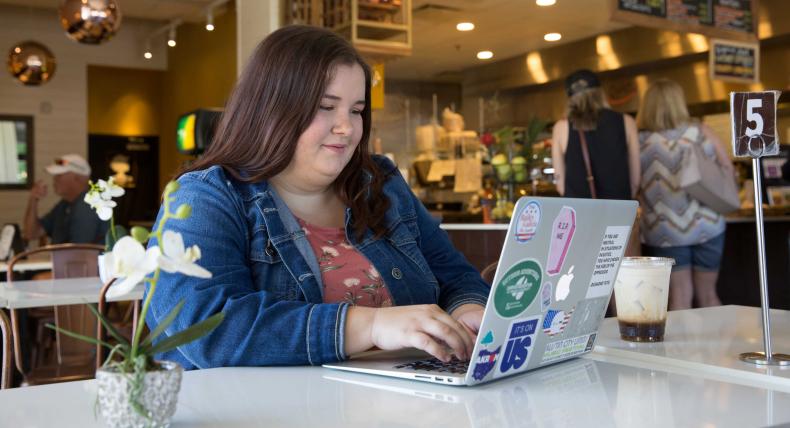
[518, 288]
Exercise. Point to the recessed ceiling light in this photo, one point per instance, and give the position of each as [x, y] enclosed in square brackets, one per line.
[552, 37]
[485, 55]
[545, 2]
[465, 26]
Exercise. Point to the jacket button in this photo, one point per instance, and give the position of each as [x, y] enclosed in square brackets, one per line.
[396, 273]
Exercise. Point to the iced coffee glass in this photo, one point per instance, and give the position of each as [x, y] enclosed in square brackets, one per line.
[641, 293]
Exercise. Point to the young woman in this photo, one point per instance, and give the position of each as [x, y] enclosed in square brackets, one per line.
[317, 249]
[674, 224]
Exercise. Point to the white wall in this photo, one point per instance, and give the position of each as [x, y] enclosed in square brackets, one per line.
[60, 107]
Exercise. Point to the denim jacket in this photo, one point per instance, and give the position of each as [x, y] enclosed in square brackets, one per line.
[266, 277]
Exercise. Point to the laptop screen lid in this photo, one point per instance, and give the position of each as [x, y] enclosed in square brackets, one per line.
[552, 285]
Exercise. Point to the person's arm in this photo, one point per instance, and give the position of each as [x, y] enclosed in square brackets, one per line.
[32, 228]
[559, 140]
[721, 151]
[634, 163]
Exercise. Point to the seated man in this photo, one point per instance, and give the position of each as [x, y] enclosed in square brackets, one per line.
[71, 220]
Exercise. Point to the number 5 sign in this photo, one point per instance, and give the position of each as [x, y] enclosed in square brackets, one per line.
[753, 116]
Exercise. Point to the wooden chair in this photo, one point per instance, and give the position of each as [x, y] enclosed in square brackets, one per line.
[101, 353]
[488, 273]
[74, 357]
[5, 364]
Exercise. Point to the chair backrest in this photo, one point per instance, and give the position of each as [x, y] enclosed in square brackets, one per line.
[488, 273]
[68, 261]
[5, 360]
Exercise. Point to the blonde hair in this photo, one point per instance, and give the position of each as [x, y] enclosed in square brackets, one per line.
[663, 107]
[584, 107]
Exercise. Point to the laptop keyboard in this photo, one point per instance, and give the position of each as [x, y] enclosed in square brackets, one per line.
[454, 366]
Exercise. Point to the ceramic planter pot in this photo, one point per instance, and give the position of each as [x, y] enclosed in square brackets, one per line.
[159, 396]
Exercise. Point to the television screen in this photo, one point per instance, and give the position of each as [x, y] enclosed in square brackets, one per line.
[195, 130]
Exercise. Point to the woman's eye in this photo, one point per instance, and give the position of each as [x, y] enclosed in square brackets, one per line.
[327, 108]
[355, 111]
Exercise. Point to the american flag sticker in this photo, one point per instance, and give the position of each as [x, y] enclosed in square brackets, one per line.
[556, 321]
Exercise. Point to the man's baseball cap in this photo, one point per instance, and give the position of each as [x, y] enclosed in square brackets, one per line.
[581, 80]
[70, 163]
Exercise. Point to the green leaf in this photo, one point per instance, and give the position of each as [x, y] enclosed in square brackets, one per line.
[164, 324]
[140, 234]
[183, 211]
[108, 325]
[188, 335]
[171, 187]
[80, 337]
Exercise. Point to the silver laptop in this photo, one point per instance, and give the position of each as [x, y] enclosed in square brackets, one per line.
[551, 290]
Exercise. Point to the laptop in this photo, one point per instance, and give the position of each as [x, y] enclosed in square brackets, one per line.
[552, 286]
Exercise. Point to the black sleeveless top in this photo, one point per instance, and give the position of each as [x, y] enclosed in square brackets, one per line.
[608, 159]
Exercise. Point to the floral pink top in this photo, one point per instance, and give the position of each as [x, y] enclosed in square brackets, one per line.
[348, 276]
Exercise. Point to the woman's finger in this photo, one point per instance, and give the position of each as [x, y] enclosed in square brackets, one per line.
[426, 343]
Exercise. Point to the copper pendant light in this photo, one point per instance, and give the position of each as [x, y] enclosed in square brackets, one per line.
[31, 63]
[90, 21]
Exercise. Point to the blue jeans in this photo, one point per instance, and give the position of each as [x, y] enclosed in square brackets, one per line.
[704, 257]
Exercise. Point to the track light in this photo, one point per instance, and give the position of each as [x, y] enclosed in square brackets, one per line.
[148, 54]
[209, 20]
[171, 38]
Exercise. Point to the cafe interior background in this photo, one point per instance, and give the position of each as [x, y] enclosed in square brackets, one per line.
[440, 102]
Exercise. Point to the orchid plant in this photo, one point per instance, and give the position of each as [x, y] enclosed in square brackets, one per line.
[133, 264]
[100, 197]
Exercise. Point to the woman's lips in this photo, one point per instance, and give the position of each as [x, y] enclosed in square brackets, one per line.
[338, 148]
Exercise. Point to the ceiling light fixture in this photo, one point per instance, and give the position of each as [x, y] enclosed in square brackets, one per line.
[465, 26]
[148, 54]
[209, 20]
[171, 37]
[485, 55]
[545, 2]
[552, 37]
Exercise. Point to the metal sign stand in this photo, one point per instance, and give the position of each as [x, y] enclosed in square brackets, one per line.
[766, 357]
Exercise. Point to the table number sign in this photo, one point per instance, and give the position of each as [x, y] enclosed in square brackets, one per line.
[753, 116]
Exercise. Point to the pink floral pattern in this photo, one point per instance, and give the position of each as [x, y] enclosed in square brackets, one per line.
[348, 276]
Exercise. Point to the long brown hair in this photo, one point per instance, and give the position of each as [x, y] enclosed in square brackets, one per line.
[584, 107]
[273, 103]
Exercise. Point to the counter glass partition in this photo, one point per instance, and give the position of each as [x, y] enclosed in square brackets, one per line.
[16, 152]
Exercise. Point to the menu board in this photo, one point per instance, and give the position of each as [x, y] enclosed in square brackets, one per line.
[736, 61]
[732, 19]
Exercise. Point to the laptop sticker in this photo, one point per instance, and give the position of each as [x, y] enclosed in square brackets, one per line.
[556, 320]
[488, 338]
[485, 362]
[518, 346]
[527, 222]
[562, 231]
[564, 286]
[567, 348]
[518, 288]
[615, 239]
[545, 296]
[588, 314]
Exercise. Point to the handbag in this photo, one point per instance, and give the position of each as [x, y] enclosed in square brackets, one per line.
[706, 181]
[634, 248]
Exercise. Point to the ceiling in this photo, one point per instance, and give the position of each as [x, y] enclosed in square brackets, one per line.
[506, 27]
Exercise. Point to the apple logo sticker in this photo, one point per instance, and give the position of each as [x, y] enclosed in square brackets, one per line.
[564, 285]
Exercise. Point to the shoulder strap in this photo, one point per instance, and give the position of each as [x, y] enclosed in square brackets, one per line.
[587, 165]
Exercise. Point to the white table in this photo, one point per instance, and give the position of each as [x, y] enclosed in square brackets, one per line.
[578, 393]
[51, 292]
[708, 341]
[28, 265]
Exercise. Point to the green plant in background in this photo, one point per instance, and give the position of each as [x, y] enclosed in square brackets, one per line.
[132, 262]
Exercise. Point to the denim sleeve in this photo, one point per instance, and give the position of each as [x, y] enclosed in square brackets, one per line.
[258, 329]
[459, 281]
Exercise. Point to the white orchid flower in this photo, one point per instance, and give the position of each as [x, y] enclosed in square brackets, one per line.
[109, 189]
[132, 262]
[103, 207]
[177, 258]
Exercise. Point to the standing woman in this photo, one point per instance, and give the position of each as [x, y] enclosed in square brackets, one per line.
[674, 224]
[318, 250]
[611, 140]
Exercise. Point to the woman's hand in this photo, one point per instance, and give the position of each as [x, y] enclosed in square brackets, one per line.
[470, 316]
[425, 327]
